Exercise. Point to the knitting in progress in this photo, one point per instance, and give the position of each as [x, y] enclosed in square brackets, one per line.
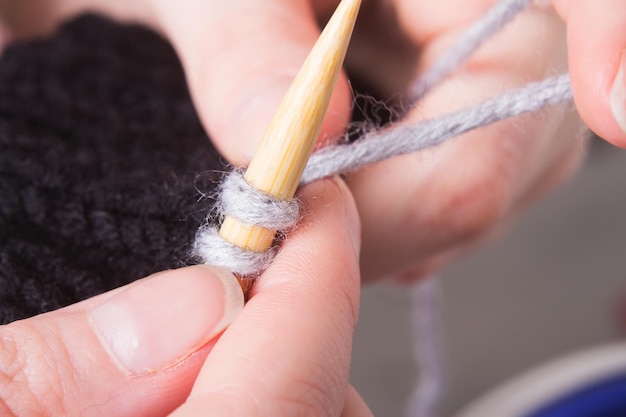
[254, 208]
[102, 158]
[94, 193]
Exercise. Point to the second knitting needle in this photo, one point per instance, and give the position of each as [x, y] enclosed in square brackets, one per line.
[278, 164]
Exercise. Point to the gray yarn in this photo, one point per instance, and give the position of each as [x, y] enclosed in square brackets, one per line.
[428, 340]
[469, 41]
[242, 201]
[371, 148]
[247, 205]
[214, 250]
[403, 139]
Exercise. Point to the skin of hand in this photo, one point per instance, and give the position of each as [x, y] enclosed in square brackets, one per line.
[419, 210]
[159, 345]
[240, 57]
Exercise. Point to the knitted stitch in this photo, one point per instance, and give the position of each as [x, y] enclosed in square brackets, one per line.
[106, 173]
[101, 156]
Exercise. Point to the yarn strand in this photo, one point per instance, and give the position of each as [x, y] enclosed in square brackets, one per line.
[398, 139]
[402, 139]
[428, 342]
[474, 36]
[371, 148]
[250, 207]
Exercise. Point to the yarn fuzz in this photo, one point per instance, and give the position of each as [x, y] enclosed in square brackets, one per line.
[240, 200]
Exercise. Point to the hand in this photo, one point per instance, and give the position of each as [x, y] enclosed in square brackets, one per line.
[597, 56]
[153, 345]
[418, 210]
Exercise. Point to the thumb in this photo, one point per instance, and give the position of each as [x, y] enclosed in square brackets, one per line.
[130, 352]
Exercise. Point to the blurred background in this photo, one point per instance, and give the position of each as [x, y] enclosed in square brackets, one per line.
[555, 284]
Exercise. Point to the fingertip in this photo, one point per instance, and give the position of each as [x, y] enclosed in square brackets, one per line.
[353, 220]
[249, 118]
[237, 128]
[601, 105]
[618, 102]
[355, 406]
[290, 347]
[147, 339]
[234, 297]
[240, 63]
[596, 43]
[5, 36]
[155, 323]
[332, 198]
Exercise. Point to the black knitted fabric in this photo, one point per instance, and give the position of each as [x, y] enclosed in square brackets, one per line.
[101, 155]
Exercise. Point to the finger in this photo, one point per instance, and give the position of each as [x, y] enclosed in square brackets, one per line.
[355, 406]
[39, 17]
[133, 351]
[596, 37]
[451, 197]
[240, 57]
[5, 35]
[288, 353]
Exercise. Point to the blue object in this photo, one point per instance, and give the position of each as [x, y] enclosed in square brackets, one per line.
[605, 398]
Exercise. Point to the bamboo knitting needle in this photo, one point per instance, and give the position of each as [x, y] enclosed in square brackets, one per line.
[278, 164]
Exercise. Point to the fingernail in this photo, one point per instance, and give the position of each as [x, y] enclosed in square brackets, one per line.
[352, 215]
[618, 94]
[258, 107]
[156, 322]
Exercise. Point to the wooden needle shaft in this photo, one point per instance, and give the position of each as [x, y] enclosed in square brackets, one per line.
[277, 166]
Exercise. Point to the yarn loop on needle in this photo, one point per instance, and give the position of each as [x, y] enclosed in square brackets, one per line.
[378, 145]
[241, 200]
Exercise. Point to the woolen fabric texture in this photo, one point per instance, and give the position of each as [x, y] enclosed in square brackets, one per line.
[102, 164]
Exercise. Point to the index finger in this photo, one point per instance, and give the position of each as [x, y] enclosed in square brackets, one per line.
[240, 57]
[288, 353]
